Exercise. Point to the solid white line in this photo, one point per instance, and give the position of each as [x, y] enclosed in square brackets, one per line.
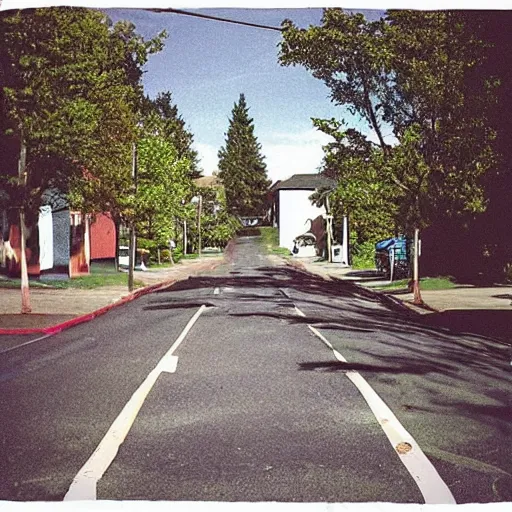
[25, 344]
[428, 480]
[253, 506]
[84, 483]
[171, 364]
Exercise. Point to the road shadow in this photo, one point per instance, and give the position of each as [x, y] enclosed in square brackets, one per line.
[417, 368]
[445, 359]
[344, 306]
[489, 323]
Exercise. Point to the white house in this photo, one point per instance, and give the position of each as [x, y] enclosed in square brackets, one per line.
[293, 211]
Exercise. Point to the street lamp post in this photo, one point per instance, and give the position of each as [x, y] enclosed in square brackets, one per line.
[199, 201]
[184, 231]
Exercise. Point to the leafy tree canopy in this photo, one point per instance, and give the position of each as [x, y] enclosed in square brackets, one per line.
[407, 72]
[70, 88]
[163, 182]
[163, 118]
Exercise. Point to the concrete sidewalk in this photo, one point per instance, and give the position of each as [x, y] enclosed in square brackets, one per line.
[54, 306]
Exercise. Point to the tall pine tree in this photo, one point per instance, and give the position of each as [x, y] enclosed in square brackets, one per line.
[241, 167]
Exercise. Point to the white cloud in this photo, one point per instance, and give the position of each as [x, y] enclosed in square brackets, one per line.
[286, 153]
[284, 160]
[310, 137]
[293, 153]
[208, 156]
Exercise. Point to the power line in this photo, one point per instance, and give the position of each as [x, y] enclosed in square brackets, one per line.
[215, 18]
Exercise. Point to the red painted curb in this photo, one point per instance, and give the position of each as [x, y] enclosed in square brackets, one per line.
[54, 329]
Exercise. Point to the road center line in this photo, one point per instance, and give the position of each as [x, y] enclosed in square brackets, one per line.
[428, 480]
[84, 484]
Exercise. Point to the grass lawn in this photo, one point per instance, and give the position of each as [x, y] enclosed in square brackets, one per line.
[102, 274]
[270, 240]
[426, 283]
[163, 264]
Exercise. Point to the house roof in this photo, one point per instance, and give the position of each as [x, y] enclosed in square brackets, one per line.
[208, 181]
[305, 181]
[275, 186]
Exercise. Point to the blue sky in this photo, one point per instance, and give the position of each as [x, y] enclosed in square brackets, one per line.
[207, 64]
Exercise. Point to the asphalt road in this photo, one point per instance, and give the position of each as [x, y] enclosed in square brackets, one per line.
[257, 406]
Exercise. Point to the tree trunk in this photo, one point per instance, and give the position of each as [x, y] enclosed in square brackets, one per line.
[329, 241]
[345, 257]
[25, 291]
[328, 227]
[22, 176]
[133, 243]
[158, 254]
[416, 279]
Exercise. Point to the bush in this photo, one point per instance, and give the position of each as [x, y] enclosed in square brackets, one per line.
[363, 255]
[177, 254]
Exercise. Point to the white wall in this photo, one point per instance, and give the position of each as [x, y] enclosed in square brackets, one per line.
[295, 209]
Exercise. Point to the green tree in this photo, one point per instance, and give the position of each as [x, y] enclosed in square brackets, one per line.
[241, 166]
[364, 192]
[163, 182]
[408, 71]
[70, 91]
[218, 225]
[163, 116]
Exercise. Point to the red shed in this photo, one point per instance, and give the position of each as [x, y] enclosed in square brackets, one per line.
[103, 238]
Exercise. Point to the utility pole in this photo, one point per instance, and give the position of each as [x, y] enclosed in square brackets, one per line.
[22, 174]
[132, 243]
[416, 279]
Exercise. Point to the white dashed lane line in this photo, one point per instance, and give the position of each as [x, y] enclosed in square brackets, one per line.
[85, 482]
[430, 484]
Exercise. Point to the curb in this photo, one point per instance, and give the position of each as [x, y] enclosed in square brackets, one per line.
[54, 329]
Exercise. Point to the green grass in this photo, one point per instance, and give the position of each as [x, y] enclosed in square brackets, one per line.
[270, 240]
[426, 283]
[16, 283]
[166, 264]
[96, 281]
[102, 274]
[363, 263]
